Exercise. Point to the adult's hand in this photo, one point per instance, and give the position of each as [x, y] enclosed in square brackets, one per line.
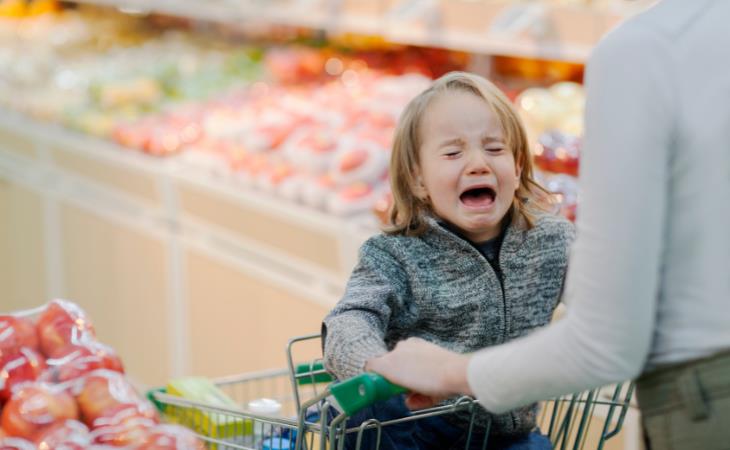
[430, 372]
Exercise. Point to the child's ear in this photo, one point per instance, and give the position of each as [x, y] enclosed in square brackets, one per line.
[518, 170]
[419, 189]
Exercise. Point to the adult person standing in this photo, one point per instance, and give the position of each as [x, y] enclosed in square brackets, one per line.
[648, 288]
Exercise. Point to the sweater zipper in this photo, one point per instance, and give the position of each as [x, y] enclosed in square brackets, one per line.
[497, 269]
[500, 277]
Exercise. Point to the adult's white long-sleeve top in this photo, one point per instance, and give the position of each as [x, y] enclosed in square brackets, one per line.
[649, 274]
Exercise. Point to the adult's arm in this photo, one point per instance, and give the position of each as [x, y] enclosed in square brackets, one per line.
[615, 266]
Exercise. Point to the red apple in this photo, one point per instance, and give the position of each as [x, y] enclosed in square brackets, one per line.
[75, 360]
[99, 447]
[103, 390]
[34, 407]
[68, 434]
[353, 159]
[60, 324]
[23, 365]
[121, 413]
[125, 424]
[16, 332]
[171, 437]
[126, 430]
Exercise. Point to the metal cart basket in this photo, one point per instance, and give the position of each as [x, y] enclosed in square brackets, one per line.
[314, 411]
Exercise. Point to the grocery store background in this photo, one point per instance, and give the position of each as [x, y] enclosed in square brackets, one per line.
[198, 176]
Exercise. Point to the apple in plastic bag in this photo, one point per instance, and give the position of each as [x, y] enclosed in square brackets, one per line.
[131, 432]
[17, 332]
[103, 390]
[171, 437]
[20, 366]
[60, 324]
[76, 360]
[68, 434]
[124, 428]
[121, 413]
[13, 443]
[36, 406]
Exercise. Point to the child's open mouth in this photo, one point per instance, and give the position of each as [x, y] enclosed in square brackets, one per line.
[478, 197]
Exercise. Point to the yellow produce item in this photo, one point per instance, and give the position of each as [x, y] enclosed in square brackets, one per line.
[38, 7]
[212, 424]
[12, 8]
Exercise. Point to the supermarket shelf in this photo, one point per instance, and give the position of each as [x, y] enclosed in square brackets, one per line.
[58, 137]
[528, 29]
[217, 11]
[321, 287]
[264, 278]
[37, 132]
[164, 218]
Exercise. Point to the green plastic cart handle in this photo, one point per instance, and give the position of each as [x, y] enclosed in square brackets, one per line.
[151, 397]
[309, 373]
[363, 390]
[354, 394]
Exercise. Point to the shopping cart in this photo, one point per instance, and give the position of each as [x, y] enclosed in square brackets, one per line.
[314, 411]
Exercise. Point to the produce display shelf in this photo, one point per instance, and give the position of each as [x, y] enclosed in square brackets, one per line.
[542, 30]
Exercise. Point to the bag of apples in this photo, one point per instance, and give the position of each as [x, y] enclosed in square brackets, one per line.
[60, 388]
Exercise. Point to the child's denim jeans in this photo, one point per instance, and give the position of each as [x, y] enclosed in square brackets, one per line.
[431, 433]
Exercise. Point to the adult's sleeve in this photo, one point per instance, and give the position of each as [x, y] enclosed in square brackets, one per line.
[615, 264]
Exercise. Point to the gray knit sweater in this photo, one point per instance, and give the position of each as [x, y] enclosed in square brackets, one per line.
[438, 287]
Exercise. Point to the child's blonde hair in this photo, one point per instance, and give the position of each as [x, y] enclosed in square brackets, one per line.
[407, 213]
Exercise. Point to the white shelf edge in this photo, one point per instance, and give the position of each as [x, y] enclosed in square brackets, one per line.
[298, 277]
[399, 32]
[63, 138]
[107, 151]
[154, 219]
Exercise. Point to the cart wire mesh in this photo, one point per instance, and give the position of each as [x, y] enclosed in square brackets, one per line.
[310, 418]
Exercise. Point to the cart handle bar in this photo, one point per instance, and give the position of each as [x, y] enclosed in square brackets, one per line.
[352, 394]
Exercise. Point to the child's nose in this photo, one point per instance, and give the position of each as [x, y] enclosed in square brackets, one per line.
[477, 164]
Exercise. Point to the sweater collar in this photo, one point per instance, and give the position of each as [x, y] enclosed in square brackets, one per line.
[514, 235]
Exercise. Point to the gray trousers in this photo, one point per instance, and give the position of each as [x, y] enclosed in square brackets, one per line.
[687, 406]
